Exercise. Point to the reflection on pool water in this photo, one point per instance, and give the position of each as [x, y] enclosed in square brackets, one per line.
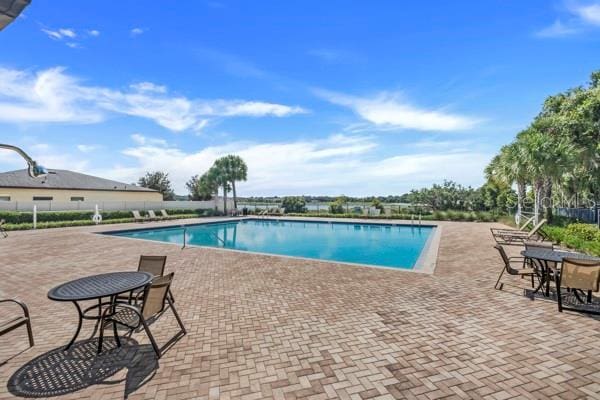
[397, 246]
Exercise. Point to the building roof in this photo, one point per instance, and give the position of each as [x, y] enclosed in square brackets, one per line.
[63, 179]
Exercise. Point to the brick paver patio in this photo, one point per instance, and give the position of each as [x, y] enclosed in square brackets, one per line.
[272, 327]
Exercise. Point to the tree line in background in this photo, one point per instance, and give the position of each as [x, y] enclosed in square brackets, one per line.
[558, 155]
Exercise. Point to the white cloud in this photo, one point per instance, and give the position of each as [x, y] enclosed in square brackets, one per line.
[93, 32]
[70, 33]
[60, 33]
[388, 110]
[148, 87]
[143, 140]
[579, 16]
[589, 13]
[52, 95]
[137, 31]
[335, 165]
[88, 148]
[557, 29]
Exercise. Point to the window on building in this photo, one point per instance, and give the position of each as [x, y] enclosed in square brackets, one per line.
[77, 198]
[42, 198]
[4, 198]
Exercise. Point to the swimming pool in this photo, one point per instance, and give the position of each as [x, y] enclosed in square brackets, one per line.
[395, 246]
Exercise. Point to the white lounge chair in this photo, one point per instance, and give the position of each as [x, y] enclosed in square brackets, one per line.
[137, 217]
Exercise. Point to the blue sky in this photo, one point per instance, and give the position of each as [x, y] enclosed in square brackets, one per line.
[359, 98]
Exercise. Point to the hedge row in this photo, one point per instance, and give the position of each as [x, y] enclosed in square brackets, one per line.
[63, 224]
[14, 217]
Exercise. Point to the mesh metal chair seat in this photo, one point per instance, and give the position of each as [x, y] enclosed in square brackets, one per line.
[154, 303]
[578, 275]
[513, 266]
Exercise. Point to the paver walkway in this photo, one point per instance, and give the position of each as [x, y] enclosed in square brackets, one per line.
[271, 327]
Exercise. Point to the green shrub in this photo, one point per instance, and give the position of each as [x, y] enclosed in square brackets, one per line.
[585, 232]
[294, 204]
[575, 237]
[337, 207]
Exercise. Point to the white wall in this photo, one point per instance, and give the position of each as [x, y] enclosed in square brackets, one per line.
[109, 205]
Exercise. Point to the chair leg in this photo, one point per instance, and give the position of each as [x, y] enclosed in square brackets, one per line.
[116, 334]
[101, 337]
[30, 333]
[558, 295]
[152, 341]
[498, 281]
[177, 316]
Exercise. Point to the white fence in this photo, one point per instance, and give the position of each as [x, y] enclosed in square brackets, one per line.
[112, 205]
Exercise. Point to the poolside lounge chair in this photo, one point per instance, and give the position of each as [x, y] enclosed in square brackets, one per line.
[155, 300]
[578, 275]
[513, 266]
[2, 230]
[153, 217]
[164, 214]
[137, 217]
[14, 323]
[518, 237]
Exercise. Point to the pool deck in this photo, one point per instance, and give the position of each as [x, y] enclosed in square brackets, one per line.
[263, 326]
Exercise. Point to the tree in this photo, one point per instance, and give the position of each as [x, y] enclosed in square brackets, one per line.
[158, 181]
[294, 204]
[509, 168]
[204, 187]
[218, 176]
[235, 169]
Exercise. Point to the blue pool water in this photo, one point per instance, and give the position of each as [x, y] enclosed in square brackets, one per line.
[375, 244]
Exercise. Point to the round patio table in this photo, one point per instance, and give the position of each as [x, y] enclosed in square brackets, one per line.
[546, 256]
[97, 287]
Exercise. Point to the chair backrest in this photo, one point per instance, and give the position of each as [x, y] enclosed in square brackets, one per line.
[580, 274]
[151, 214]
[153, 264]
[136, 214]
[526, 223]
[155, 295]
[536, 228]
[164, 213]
[2, 222]
[505, 259]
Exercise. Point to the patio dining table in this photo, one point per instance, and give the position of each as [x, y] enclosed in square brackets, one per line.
[97, 287]
[547, 257]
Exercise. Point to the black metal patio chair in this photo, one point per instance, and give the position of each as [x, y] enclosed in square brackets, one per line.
[513, 266]
[154, 300]
[17, 321]
[578, 276]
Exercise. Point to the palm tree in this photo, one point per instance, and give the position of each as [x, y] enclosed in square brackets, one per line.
[232, 168]
[546, 159]
[509, 168]
[219, 177]
[238, 171]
